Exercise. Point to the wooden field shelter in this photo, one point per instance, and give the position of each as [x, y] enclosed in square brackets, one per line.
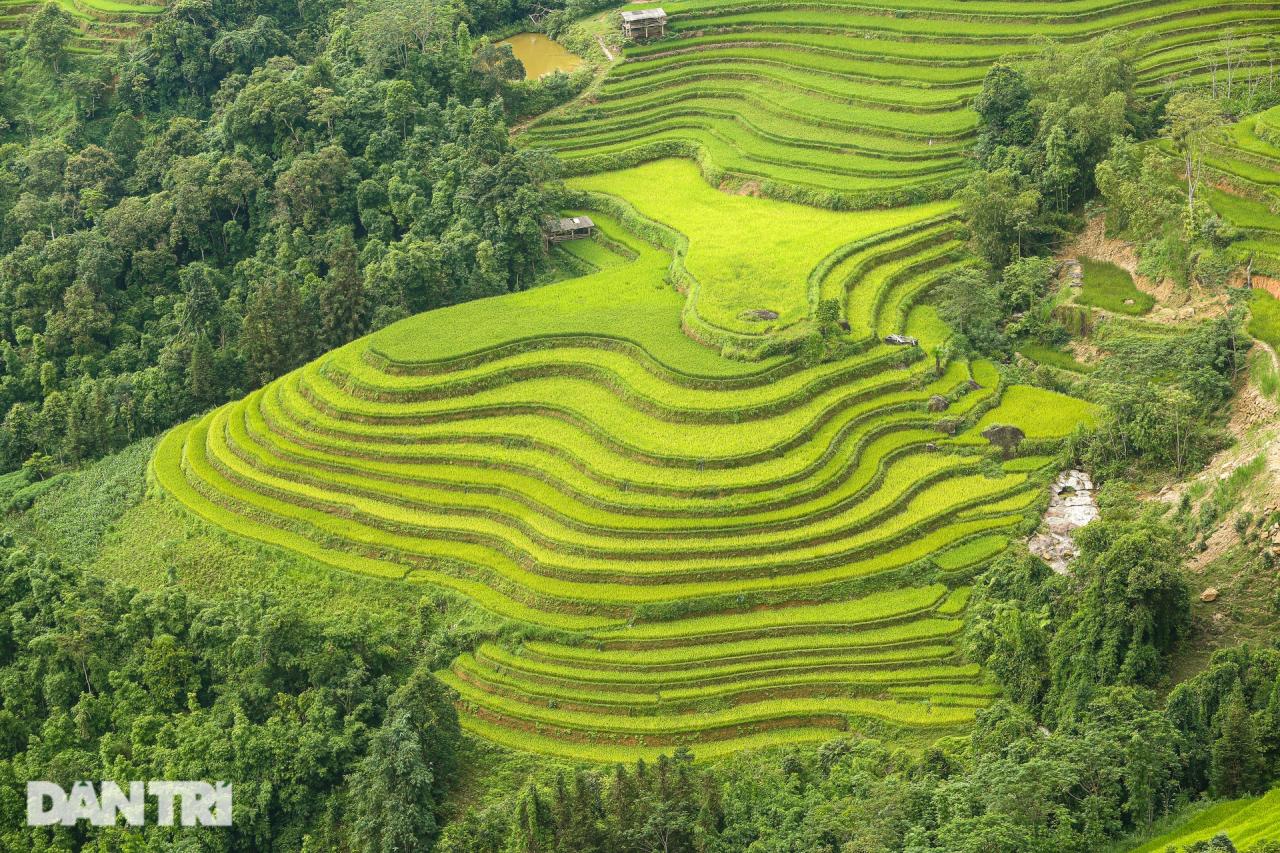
[572, 228]
[648, 24]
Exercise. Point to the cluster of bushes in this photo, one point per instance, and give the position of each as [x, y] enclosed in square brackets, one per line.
[1178, 235]
[1036, 148]
[1161, 395]
[1037, 158]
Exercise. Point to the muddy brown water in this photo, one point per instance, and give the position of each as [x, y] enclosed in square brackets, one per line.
[540, 55]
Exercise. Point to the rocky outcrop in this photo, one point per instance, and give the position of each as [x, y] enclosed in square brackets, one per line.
[1073, 272]
[1007, 438]
[938, 403]
[1072, 506]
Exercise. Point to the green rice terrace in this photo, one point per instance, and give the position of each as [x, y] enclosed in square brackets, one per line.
[853, 104]
[722, 552]
[1247, 822]
[713, 543]
[1243, 160]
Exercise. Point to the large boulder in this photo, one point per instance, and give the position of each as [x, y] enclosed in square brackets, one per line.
[938, 403]
[1007, 438]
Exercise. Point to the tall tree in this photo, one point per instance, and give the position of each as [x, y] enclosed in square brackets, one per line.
[48, 32]
[1189, 116]
[1237, 766]
[1004, 108]
[201, 373]
[398, 787]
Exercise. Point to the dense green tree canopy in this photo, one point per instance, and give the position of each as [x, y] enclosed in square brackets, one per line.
[254, 185]
[99, 681]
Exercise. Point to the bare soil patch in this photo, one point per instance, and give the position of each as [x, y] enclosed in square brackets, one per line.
[733, 187]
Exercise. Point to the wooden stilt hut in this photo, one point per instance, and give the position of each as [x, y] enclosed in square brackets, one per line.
[569, 228]
[645, 24]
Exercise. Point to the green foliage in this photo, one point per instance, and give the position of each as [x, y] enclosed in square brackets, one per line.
[1189, 116]
[970, 304]
[1141, 200]
[1159, 393]
[1008, 628]
[48, 32]
[992, 314]
[1130, 607]
[408, 769]
[1004, 110]
[669, 805]
[1024, 282]
[1037, 150]
[256, 185]
[106, 682]
[1237, 764]
[731, 555]
[1000, 208]
[1229, 712]
[1054, 641]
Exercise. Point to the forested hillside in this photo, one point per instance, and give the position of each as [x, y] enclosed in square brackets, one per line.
[236, 191]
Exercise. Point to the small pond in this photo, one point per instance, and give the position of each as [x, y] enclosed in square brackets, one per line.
[540, 55]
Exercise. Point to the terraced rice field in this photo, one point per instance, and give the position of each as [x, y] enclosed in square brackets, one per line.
[1242, 162]
[1111, 288]
[101, 23]
[711, 542]
[1247, 822]
[720, 553]
[854, 104]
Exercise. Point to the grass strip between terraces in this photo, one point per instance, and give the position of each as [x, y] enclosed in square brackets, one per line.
[891, 639]
[908, 474]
